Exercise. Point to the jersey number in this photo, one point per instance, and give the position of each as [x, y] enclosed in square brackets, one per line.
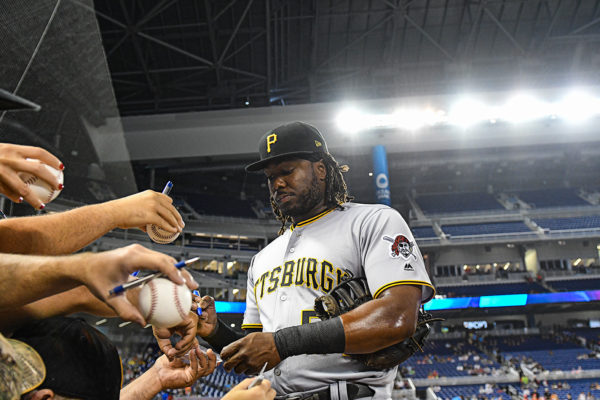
[307, 315]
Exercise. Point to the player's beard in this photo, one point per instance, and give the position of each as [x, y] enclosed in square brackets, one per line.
[305, 201]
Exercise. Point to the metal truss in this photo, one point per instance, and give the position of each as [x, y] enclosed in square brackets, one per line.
[208, 54]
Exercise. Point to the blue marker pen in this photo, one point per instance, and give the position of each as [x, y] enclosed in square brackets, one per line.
[168, 188]
[126, 286]
[198, 310]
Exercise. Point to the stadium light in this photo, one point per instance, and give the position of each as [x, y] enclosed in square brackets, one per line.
[523, 108]
[578, 106]
[351, 120]
[413, 119]
[409, 119]
[467, 112]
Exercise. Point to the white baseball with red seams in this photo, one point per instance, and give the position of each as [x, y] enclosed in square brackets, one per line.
[40, 188]
[163, 303]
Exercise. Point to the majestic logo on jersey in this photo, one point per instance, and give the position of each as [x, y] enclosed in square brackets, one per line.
[408, 267]
[306, 272]
[400, 246]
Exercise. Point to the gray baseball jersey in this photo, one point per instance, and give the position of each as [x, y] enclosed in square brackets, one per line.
[372, 241]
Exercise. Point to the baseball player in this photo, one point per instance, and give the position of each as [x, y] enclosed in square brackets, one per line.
[328, 238]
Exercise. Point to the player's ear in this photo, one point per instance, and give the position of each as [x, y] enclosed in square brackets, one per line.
[320, 169]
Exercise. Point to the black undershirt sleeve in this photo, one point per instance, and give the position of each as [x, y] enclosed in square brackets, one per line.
[321, 337]
[222, 336]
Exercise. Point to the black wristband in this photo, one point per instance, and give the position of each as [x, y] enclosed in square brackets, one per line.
[222, 336]
[322, 337]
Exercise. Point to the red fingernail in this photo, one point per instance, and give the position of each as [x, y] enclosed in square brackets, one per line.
[60, 186]
[42, 206]
[61, 166]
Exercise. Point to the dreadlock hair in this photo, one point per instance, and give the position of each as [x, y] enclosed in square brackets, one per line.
[336, 190]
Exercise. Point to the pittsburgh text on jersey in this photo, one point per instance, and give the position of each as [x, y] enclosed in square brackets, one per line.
[306, 271]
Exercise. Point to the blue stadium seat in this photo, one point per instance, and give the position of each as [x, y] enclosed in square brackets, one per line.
[575, 284]
[423, 232]
[544, 198]
[486, 229]
[490, 289]
[442, 356]
[457, 202]
[561, 224]
[449, 392]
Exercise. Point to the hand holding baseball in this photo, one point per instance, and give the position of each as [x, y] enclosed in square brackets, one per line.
[16, 160]
[141, 209]
[186, 329]
[103, 271]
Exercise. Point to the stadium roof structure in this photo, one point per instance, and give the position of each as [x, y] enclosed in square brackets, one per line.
[177, 56]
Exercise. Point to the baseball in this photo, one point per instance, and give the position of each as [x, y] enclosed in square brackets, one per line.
[39, 187]
[163, 303]
[159, 235]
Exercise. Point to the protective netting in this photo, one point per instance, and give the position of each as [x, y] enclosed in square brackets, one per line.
[51, 53]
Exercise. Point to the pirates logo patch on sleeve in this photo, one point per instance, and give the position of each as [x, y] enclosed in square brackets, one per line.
[400, 246]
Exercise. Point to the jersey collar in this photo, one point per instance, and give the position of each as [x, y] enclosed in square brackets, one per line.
[310, 220]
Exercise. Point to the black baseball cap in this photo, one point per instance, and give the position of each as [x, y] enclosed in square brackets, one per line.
[80, 361]
[21, 369]
[293, 139]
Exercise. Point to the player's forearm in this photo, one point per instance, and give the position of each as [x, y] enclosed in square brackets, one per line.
[372, 326]
[382, 322]
[145, 387]
[55, 234]
[24, 279]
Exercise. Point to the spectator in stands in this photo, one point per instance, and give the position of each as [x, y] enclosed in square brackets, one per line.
[535, 396]
[590, 396]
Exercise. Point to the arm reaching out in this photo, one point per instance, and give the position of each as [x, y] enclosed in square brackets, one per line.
[165, 374]
[24, 279]
[69, 231]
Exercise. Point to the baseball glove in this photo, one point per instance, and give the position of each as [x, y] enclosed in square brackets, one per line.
[352, 292]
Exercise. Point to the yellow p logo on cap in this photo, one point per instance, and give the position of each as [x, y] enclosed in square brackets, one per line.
[271, 139]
